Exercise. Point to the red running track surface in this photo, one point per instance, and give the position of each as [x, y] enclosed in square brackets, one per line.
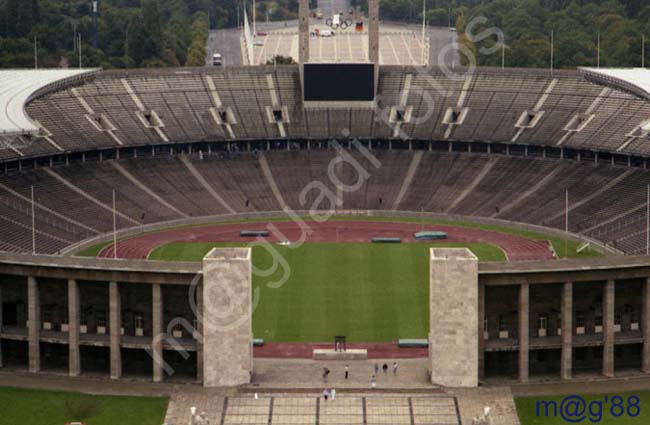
[516, 248]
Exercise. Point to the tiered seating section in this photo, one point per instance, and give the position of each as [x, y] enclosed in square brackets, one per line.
[494, 98]
[74, 202]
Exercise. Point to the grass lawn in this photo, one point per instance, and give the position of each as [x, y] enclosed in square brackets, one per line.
[528, 412]
[36, 407]
[94, 250]
[368, 292]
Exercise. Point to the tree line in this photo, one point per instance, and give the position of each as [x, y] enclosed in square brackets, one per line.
[157, 33]
[578, 27]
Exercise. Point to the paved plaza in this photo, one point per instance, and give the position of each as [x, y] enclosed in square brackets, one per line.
[398, 46]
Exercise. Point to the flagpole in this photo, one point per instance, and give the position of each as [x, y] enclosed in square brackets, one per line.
[33, 224]
[598, 54]
[114, 228]
[566, 218]
[552, 47]
[647, 224]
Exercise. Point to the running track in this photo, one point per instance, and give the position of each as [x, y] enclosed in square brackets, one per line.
[516, 248]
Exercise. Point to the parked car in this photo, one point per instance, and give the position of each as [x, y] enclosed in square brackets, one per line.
[217, 60]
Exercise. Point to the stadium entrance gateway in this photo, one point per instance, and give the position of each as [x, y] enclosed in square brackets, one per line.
[226, 312]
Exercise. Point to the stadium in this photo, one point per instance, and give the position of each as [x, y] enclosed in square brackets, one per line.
[219, 227]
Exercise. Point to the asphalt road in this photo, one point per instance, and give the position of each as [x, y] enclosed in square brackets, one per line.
[227, 43]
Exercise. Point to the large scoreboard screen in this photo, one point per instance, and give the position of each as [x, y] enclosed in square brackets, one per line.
[339, 82]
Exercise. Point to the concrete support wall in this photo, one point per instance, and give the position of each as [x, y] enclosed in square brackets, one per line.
[524, 307]
[453, 338]
[199, 325]
[115, 324]
[157, 327]
[608, 328]
[481, 327]
[227, 319]
[645, 326]
[34, 324]
[303, 31]
[566, 310]
[74, 357]
[373, 31]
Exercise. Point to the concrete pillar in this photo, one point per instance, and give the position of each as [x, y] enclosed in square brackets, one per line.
[227, 327]
[34, 324]
[373, 31]
[157, 329]
[566, 310]
[524, 299]
[199, 326]
[608, 328]
[303, 31]
[453, 300]
[481, 336]
[115, 325]
[645, 326]
[74, 320]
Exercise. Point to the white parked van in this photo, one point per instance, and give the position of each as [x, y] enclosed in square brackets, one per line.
[217, 60]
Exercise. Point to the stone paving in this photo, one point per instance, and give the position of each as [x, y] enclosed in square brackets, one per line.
[281, 373]
[345, 409]
[471, 403]
[290, 392]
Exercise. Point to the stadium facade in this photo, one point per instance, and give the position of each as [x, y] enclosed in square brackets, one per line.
[174, 145]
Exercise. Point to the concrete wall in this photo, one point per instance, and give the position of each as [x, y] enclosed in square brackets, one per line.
[227, 319]
[453, 339]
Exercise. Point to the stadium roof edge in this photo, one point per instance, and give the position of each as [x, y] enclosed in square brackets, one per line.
[633, 80]
[18, 87]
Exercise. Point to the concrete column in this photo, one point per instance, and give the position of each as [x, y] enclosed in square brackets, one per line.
[74, 356]
[157, 329]
[373, 31]
[524, 298]
[481, 337]
[453, 315]
[34, 324]
[645, 326]
[227, 330]
[115, 324]
[303, 31]
[199, 326]
[608, 328]
[566, 308]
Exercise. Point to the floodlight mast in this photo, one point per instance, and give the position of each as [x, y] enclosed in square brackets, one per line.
[95, 13]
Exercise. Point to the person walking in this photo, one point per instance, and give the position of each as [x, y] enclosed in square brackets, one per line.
[347, 371]
[376, 368]
[373, 381]
[326, 373]
[384, 367]
[326, 394]
[394, 368]
[333, 393]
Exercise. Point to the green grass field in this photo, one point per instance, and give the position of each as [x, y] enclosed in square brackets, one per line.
[368, 292]
[36, 407]
[528, 412]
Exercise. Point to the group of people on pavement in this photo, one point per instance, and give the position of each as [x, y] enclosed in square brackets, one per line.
[346, 374]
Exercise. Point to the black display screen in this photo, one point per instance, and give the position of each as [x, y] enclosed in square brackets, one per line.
[339, 82]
